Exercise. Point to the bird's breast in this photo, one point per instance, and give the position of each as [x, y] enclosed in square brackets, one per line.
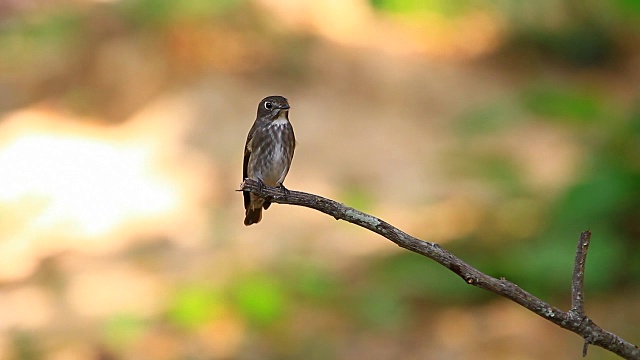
[272, 152]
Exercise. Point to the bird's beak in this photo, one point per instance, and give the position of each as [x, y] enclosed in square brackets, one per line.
[282, 111]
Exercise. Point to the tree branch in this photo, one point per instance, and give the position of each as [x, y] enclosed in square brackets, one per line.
[573, 320]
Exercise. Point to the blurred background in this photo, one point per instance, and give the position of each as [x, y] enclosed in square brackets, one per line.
[499, 129]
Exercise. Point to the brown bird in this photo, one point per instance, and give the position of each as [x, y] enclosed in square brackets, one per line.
[267, 153]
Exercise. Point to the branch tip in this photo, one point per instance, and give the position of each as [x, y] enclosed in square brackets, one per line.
[585, 348]
[577, 283]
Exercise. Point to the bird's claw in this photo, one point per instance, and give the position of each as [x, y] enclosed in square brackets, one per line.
[261, 186]
[284, 189]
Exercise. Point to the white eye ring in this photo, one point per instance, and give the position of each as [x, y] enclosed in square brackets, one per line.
[268, 105]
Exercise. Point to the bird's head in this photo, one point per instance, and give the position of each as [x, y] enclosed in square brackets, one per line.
[273, 108]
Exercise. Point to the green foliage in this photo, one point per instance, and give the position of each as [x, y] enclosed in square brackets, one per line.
[413, 277]
[592, 201]
[581, 45]
[194, 306]
[542, 267]
[156, 13]
[416, 7]
[25, 42]
[357, 197]
[629, 7]
[604, 197]
[260, 299]
[563, 104]
[314, 283]
[397, 288]
[494, 168]
[599, 200]
[502, 171]
[26, 347]
[123, 329]
[381, 308]
[606, 261]
[487, 119]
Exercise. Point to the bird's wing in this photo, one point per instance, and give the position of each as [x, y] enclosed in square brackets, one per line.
[245, 164]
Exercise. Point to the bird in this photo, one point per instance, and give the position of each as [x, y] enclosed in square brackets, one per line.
[268, 153]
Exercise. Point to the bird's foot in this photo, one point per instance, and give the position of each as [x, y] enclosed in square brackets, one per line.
[284, 189]
[261, 187]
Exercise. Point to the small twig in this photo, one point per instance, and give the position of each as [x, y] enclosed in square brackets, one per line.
[577, 283]
[580, 325]
[585, 347]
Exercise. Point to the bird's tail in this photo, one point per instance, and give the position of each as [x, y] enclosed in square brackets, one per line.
[253, 215]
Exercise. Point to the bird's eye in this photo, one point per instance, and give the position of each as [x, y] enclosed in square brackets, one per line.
[268, 105]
